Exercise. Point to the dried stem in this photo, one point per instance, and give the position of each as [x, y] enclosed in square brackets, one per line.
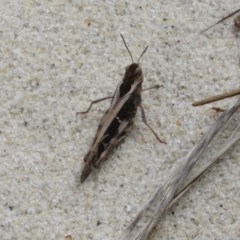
[174, 187]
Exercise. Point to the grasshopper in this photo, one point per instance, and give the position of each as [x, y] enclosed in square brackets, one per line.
[118, 119]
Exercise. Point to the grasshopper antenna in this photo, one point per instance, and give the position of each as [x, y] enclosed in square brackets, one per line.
[126, 47]
[142, 53]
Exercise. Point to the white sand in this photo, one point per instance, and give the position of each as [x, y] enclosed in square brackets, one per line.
[57, 56]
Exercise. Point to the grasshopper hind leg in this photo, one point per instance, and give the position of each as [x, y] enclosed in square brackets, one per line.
[144, 119]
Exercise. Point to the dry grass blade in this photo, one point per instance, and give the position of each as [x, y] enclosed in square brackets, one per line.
[231, 140]
[236, 21]
[217, 97]
[149, 216]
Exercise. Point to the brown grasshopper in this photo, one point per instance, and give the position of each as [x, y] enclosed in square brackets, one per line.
[118, 119]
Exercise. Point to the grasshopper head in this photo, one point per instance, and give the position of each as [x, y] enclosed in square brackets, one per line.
[133, 73]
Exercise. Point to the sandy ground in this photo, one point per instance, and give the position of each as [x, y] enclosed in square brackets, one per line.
[57, 56]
